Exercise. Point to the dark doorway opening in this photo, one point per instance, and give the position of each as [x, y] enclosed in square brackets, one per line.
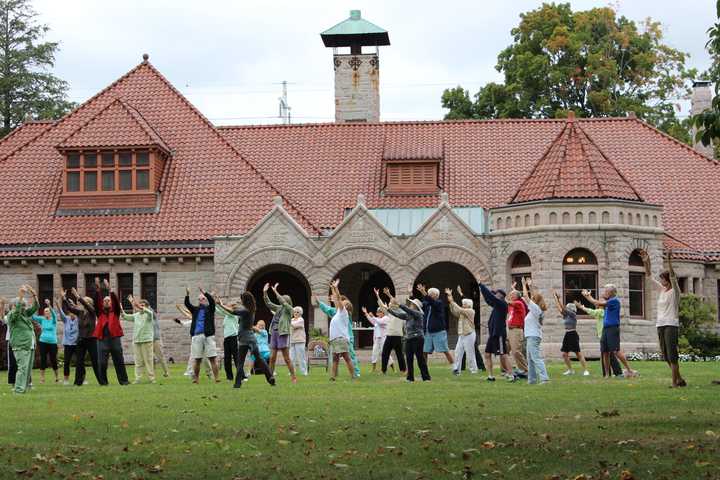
[292, 283]
[357, 282]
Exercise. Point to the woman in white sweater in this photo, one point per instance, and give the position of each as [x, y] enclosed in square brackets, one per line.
[466, 331]
[533, 334]
[297, 341]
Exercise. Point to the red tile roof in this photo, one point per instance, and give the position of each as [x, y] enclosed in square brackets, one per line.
[222, 180]
[118, 124]
[574, 167]
[104, 252]
[205, 175]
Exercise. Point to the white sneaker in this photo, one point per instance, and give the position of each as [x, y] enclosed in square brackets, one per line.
[569, 372]
[65, 382]
[586, 373]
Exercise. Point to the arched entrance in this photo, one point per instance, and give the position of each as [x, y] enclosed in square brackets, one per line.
[291, 282]
[444, 275]
[357, 282]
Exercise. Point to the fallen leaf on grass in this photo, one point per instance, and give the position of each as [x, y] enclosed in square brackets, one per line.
[283, 442]
[710, 433]
[488, 445]
[155, 469]
[610, 413]
[626, 475]
[341, 465]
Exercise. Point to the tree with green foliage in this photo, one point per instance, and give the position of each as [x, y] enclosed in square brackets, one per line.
[27, 88]
[696, 319]
[591, 62]
[707, 123]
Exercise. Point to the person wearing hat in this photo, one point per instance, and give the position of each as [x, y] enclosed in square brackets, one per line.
[466, 331]
[497, 332]
[571, 340]
[412, 314]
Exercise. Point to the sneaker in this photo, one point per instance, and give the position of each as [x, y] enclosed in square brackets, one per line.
[407, 380]
[544, 382]
[586, 373]
[512, 378]
[456, 372]
[490, 379]
[65, 382]
[569, 372]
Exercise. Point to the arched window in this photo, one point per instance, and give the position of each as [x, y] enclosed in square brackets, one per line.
[636, 284]
[622, 218]
[536, 220]
[553, 218]
[655, 221]
[527, 220]
[592, 217]
[499, 223]
[520, 266]
[606, 217]
[580, 272]
[566, 218]
[579, 218]
[646, 220]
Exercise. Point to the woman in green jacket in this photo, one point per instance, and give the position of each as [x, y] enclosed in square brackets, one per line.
[280, 328]
[22, 337]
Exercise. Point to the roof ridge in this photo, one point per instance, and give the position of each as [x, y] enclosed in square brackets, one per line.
[586, 157]
[26, 142]
[230, 145]
[537, 163]
[90, 120]
[610, 162]
[144, 124]
[676, 141]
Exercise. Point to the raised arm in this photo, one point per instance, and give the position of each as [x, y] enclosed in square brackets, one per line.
[336, 297]
[370, 317]
[209, 297]
[274, 307]
[582, 307]
[32, 310]
[589, 298]
[558, 303]
[115, 301]
[190, 307]
[490, 299]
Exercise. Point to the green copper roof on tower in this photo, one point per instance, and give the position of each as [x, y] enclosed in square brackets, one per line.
[355, 31]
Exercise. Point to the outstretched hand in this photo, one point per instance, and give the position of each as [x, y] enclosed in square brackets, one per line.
[448, 292]
[364, 310]
[266, 287]
[459, 290]
[336, 283]
[386, 291]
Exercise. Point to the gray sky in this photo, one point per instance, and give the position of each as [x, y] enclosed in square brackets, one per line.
[228, 57]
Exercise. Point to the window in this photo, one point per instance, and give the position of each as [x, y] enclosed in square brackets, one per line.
[520, 266]
[45, 289]
[696, 287]
[636, 284]
[412, 177]
[125, 288]
[108, 171]
[68, 281]
[148, 288]
[683, 284]
[90, 282]
[579, 273]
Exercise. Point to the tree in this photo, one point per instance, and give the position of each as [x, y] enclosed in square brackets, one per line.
[27, 89]
[707, 123]
[590, 62]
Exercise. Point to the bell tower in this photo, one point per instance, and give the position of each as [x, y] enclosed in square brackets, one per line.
[357, 73]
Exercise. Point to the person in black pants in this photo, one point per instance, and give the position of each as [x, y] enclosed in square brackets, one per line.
[412, 313]
[109, 333]
[246, 340]
[393, 341]
[12, 364]
[84, 310]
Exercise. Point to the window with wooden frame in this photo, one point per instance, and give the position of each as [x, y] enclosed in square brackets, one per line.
[412, 177]
[580, 272]
[636, 284]
[108, 171]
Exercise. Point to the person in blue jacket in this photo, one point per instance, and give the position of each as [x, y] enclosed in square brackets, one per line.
[497, 332]
[435, 323]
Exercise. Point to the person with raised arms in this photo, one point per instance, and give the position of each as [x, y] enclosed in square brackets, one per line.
[466, 331]
[571, 339]
[533, 333]
[143, 319]
[84, 309]
[22, 337]
[379, 321]
[497, 332]
[202, 332]
[338, 336]
[70, 338]
[280, 328]
[48, 340]
[109, 333]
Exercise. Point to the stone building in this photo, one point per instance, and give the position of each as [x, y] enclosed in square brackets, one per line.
[138, 186]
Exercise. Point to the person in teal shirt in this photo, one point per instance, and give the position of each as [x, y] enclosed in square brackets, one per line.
[22, 337]
[48, 340]
[330, 312]
[230, 338]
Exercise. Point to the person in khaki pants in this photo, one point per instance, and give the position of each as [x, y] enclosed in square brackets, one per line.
[517, 310]
[143, 320]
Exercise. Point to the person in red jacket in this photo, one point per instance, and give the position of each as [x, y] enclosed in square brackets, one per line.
[517, 310]
[108, 332]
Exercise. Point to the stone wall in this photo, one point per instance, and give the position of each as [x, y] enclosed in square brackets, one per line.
[172, 278]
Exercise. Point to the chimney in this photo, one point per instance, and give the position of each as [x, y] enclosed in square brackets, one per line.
[701, 101]
[357, 74]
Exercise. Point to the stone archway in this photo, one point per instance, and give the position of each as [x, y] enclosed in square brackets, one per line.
[292, 283]
[357, 281]
[442, 275]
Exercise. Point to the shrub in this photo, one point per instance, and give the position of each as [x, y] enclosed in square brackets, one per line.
[696, 317]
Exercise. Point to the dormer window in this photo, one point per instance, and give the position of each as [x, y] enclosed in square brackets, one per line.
[109, 171]
[412, 177]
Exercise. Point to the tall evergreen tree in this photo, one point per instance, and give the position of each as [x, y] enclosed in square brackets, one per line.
[27, 88]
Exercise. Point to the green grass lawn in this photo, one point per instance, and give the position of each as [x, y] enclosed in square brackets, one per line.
[376, 427]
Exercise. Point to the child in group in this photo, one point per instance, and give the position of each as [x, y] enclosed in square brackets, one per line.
[143, 319]
[262, 337]
[571, 340]
[533, 334]
[379, 321]
[599, 315]
[297, 341]
[71, 333]
[48, 340]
